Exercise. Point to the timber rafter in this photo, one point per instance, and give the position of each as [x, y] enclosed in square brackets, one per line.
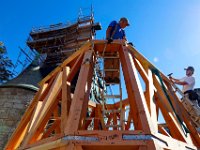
[58, 118]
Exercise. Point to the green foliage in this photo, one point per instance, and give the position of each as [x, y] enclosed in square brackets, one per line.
[5, 65]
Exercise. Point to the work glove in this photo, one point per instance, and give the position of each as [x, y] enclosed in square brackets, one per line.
[109, 40]
[130, 43]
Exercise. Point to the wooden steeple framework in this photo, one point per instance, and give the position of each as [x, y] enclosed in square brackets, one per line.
[58, 119]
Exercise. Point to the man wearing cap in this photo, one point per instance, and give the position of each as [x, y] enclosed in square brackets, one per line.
[115, 30]
[188, 83]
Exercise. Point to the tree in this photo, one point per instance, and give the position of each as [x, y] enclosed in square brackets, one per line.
[5, 65]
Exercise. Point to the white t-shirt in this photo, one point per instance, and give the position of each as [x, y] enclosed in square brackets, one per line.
[190, 83]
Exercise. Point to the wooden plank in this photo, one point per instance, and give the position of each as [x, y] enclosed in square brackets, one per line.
[125, 102]
[43, 142]
[96, 121]
[114, 121]
[21, 136]
[51, 129]
[66, 98]
[140, 58]
[46, 90]
[153, 144]
[56, 116]
[131, 98]
[195, 135]
[175, 100]
[87, 123]
[110, 117]
[48, 145]
[101, 133]
[146, 75]
[174, 127]
[67, 147]
[87, 93]
[141, 70]
[173, 144]
[67, 61]
[163, 131]
[45, 111]
[75, 68]
[150, 100]
[142, 147]
[14, 140]
[36, 113]
[169, 114]
[80, 95]
[101, 118]
[91, 104]
[127, 126]
[122, 118]
[135, 92]
[78, 148]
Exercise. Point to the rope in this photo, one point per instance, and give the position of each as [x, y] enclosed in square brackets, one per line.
[97, 82]
[156, 72]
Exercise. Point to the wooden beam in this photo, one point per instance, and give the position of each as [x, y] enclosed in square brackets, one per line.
[79, 98]
[183, 114]
[141, 70]
[128, 78]
[36, 113]
[76, 67]
[82, 49]
[96, 121]
[163, 131]
[55, 124]
[171, 143]
[91, 104]
[66, 98]
[175, 100]
[44, 142]
[173, 125]
[45, 112]
[135, 92]
[115, 121]
[101, 117]
[14, 140]
[127, 126]
[122, 118]
[49, 145]
[87, 123]
[193, 131]
[150, 100]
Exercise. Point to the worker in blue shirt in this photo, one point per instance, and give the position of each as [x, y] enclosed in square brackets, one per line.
[116, 31]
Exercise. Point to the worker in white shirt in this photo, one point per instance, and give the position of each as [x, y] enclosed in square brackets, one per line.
[188, 83]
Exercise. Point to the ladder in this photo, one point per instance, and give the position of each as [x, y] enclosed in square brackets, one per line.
[111, 75]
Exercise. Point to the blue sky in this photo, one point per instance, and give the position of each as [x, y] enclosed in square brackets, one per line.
[167, 32]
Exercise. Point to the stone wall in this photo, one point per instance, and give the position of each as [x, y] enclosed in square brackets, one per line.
[13, 103]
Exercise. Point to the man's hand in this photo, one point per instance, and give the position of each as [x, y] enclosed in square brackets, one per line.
[130, 43]
[171, 79]
[110, 40]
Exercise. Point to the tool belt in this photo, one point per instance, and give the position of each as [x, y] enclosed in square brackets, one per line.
[192, 95]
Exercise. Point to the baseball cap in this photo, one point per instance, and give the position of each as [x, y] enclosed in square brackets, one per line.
[125, 19]
[189, 68]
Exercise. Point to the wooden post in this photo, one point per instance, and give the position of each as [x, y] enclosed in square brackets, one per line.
[66, 98]
[80, 97]
[137, 100]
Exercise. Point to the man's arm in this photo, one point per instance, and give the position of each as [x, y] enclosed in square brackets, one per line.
[124, 36]
[108, 31]
[177, 81]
